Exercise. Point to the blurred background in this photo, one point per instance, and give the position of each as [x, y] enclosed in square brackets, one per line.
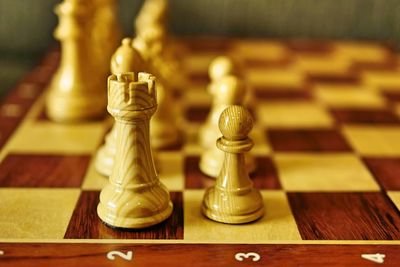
[26, 26]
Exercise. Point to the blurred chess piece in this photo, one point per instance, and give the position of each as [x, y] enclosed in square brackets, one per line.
[151, 42]
[134, 196]
[106, 32]
[233, 199]
[228, 91]
[224, 92]
[77, 91]
[125, 59]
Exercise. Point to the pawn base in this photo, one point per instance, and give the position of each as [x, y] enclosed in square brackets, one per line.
[232, 219]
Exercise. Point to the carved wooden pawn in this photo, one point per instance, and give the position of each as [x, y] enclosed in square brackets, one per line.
[229, 90]
[134, 196]
[76, 91]
[125, 59]
[233, 199]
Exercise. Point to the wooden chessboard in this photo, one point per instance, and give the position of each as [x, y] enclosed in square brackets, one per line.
[327, 135]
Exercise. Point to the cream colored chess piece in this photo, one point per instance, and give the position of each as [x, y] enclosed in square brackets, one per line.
[106, 32]
[153, 12]
[76, 91]
[229, 90]
[164, 130]
[233, 199]
[125, 59]
[134, 196]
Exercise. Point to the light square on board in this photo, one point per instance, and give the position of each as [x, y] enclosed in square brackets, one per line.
[275, 78]
[169, 167]
[395, 197]
[323, 172]
[261, 50]
[341, 96]
[321, 65]
[277, 224]
[48, 137]
[384, 80]
[36, 213]
[293, 115]
[361, 52]
[374, 140]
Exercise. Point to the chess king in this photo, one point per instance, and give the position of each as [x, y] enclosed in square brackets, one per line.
[134, 196]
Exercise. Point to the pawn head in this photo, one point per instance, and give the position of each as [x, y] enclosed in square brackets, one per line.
[126, 59]
[235, 122]
[220, 67]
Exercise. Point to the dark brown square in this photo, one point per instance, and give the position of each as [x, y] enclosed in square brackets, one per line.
[345, 216]
[197, 113]
[264, 177]
[392, 96]
[365, 116]
[85, 224]
[344, 78]
[386, 171]
[307, 140]
[33, 170]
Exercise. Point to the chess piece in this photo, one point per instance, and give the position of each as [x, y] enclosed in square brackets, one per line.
[134, 196]
[228, 91]
[76, 91]
[106, 32]
[125, 59]
[233, 199]
[221, 66]
[164, 130]
[153, 12]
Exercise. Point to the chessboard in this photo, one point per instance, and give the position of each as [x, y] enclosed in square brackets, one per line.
[327, 146]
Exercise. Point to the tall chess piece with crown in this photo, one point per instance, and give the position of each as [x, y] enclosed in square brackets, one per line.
[134, 196]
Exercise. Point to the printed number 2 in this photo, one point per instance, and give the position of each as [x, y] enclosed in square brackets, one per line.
[241, 256]
[126, 256]
[378, 258]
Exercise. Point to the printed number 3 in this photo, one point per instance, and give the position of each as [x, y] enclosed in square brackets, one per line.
[241, 256]
[126, 256]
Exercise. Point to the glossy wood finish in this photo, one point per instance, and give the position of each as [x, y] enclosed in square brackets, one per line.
[196, 255]
[320, 140]
[345, 216]
[85, 224]
[30, 170]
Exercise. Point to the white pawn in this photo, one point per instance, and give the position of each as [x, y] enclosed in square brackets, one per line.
[229, 90]
[233, 199]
